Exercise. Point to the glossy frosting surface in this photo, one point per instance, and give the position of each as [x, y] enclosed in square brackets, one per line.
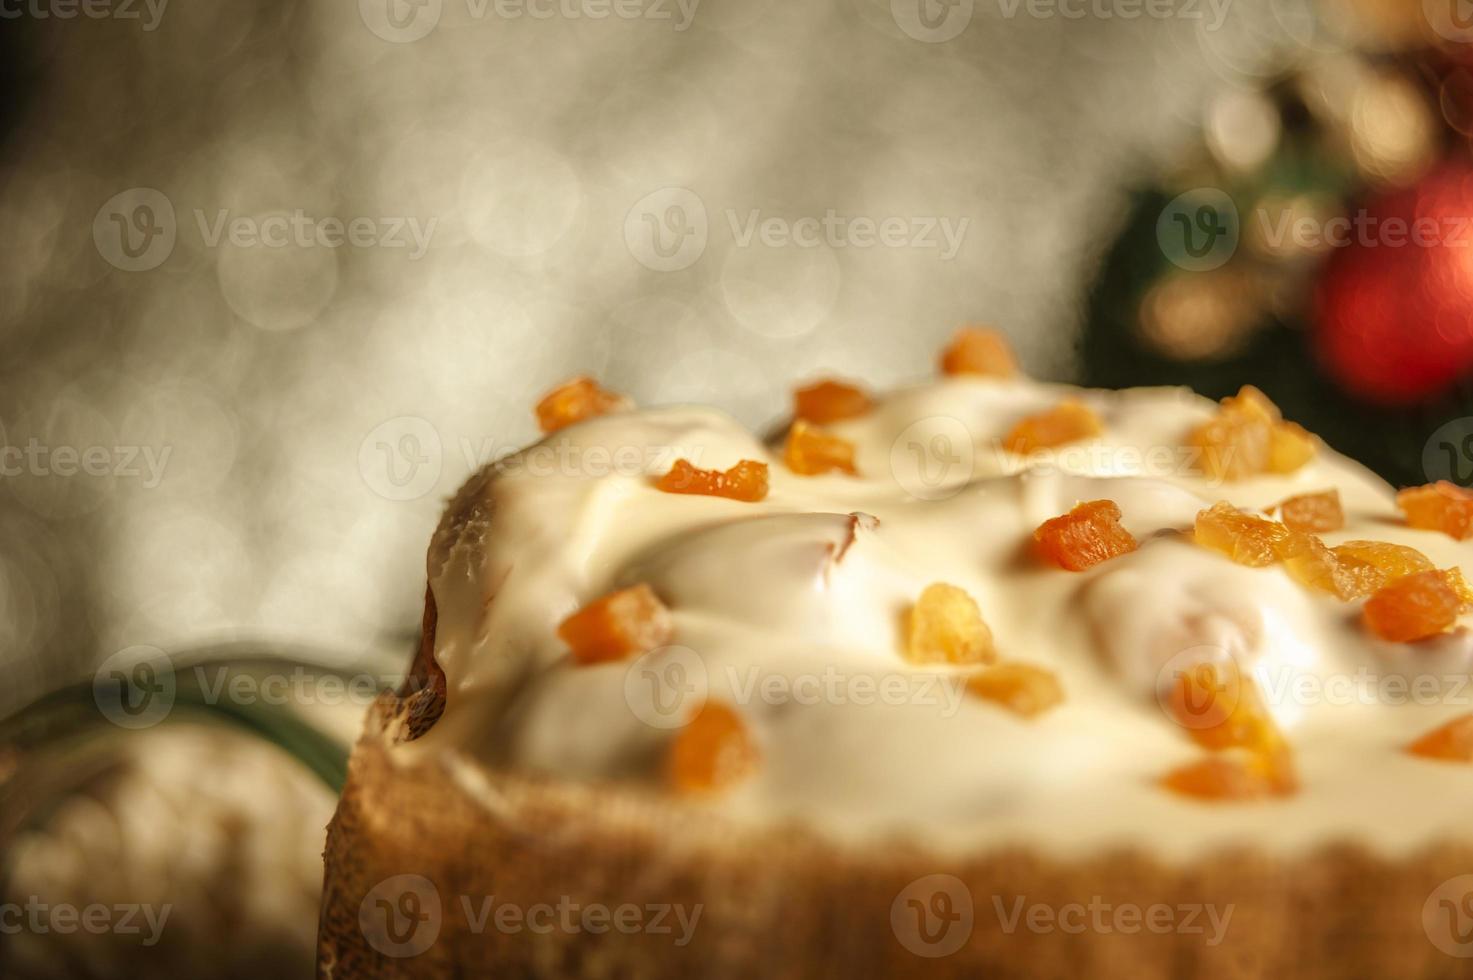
[790, 610]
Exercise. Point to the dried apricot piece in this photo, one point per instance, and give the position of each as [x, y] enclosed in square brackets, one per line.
[746, 481]
[1318, 512]
[1440, 506]
[618, 625]
[1393, 561]
[829, 401]
[713, 752]
[1309, 562]
[1023, 689]
[1455, 581]
[1222, 709]
[1087, 535]
[1290, 446]
[1452, 742]
[1234, 777]
[1245, 538]
[1412, 608]
[575, 400]
[979, 350]
[1248, 436]
[810, 451]
[946, 627]
[1069, 421]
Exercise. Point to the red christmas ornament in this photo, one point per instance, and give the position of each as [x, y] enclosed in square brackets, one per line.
[1394, 306]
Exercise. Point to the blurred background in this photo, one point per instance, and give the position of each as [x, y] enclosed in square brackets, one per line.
[274, 278]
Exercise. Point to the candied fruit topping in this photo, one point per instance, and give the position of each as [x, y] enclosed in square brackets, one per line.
[1452, 742]
[1248, 436]
[576, 400]
[829, 401]
[1311, 564]
[979, 350]
[1440, 506]
[1245, 538]
[1455, 581]
[1222, 709]
[809, 451]
[946, 627]
[1069, 421]
[618, 625]
[1393, 561]
[1232, 778]
[1318, 512]
[1412, 608]
[746, 481]
[713, 752]
[1087, 535]
[1023, 689]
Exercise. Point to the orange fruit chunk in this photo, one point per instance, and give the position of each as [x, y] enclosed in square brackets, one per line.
[713, 752]
[1412, 608]
[1069, 421]
[617, 626]
[810, 451]
[946, 627]
[575, 400]
[1245, 538]
[1248, 436]
[746, 481]
[1221, 709]
[1440, 506]
[1452, 742]
[1393, 561]
[1317, 512]
[1310, 563]
[1233, 778]
[1455, 581]
[979, 350]
[829, 401]
[1087, 535]
[1023, 689]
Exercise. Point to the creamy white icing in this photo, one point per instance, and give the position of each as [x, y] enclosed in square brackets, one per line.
[791, 609]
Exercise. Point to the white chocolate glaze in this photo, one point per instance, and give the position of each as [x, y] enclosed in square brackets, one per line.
[791, 610]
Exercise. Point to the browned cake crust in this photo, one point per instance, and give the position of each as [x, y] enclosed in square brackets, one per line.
[412, 858]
